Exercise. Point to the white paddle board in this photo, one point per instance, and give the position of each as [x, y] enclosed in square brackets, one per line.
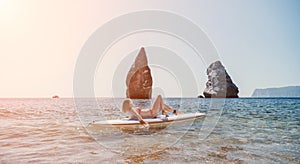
[159, 122]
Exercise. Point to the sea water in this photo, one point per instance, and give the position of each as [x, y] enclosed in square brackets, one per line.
[244, 130]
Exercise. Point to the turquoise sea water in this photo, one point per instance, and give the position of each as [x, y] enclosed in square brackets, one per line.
[243, 130]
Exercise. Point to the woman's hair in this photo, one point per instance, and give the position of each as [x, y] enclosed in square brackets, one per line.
[125, 105]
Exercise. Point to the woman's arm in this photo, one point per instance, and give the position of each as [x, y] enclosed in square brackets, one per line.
[136, 114]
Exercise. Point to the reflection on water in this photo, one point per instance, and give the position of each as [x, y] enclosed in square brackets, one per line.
[49, 131]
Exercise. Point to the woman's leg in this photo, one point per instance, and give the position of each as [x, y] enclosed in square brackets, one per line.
[157, 106]
[166, 107]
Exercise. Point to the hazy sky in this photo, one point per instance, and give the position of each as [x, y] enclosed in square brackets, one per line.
[40, 40]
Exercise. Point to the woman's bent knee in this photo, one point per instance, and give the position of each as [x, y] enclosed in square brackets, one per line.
[159, 96]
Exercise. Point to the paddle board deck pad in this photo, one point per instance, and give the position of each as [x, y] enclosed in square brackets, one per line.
[159, 122]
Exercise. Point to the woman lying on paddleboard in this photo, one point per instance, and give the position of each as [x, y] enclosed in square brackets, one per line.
[138, 113]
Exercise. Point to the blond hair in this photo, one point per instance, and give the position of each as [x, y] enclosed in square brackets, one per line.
[125, 105]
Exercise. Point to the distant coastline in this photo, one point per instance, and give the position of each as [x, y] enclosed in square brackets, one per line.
[281, 92]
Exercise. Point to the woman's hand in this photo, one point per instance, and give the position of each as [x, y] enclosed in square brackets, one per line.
[137, 114]
[144, 123]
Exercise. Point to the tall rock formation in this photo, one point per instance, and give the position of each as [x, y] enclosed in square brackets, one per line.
[219, 84]
[139, 79]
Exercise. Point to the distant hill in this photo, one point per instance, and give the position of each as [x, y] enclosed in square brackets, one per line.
[291, 91]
